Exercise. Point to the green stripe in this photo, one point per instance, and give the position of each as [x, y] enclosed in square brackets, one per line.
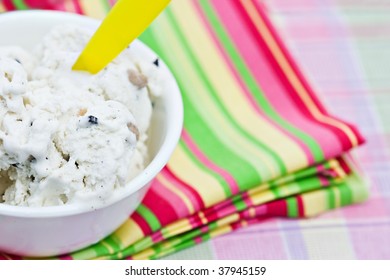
[106, 5]
[86, 254]
[292, 207]
[250, 81]
[149, 217]
[345, 195]
[243, 172]
[192, 57]
[20, 5]
[113, 242]
[225, 186]
[239, 204]
[331, 200]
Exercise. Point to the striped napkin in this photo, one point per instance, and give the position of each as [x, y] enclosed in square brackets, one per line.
[257, 143]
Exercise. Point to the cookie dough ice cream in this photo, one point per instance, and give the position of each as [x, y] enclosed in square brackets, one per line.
[69, 137]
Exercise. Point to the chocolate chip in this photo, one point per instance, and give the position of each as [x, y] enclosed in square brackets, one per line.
[156, 62]
[31, 158]
[18, 61]
[92, 119]
[15, 164]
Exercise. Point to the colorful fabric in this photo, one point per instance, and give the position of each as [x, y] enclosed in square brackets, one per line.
[257, 143]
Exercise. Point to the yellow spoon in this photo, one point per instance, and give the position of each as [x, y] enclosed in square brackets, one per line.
[125, 22]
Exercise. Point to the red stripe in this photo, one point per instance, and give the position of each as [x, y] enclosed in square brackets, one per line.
[160, 188]
[4, 256]
[344, 165]
[141, 223]
[160, 207]
[41, 4]
[66, 257]
[157, 237]
[301, 206]
[9, 5]
[277, 208]
[77, 7]
[195, 221]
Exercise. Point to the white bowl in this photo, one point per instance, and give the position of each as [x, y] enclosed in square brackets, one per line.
[49, 231]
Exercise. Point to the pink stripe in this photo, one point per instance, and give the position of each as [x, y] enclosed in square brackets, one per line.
[66, 257]
[324, 181]
[268, 80]
[199, 154]
[198, 240]
[204, 229]
[177, 203]
[157, 237]
[186, 192]
[60, 6]
[250, 99]
[77, 6]
[225, 211]
[112, 2]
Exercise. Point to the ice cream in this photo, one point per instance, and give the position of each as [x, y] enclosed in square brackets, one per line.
[69, 137]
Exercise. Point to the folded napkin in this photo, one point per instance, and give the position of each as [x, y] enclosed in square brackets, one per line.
[257, 143]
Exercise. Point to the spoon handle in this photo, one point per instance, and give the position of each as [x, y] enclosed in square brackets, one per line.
[125, 22]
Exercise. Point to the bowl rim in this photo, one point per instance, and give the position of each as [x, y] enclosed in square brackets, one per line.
[173, 133]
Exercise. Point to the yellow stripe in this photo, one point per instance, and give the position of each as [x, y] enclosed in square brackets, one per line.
[228, 89]
[228, 220]
[291, 76]
[108, 246]
[227, 134]
[337, 197]
[178, 227]
[177, 192]
[335, 165]
[220, 231]
[315, 203]
[144, 255]
[128, 233]
[258, 189]
[2, 8]
[202, 217]
[262, 197]
[93, 9]
[252, 212]
[207, 186]
[289, 189]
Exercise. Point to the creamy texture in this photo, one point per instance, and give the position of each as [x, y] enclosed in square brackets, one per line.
[70, 137]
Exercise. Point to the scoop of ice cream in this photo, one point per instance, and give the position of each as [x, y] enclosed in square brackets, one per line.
[70, 137]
